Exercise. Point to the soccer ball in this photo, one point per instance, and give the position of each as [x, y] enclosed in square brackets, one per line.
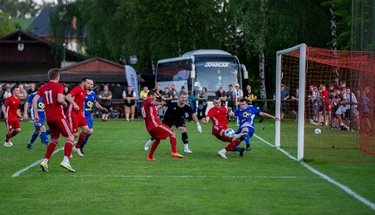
[318, 131]
[229, 133]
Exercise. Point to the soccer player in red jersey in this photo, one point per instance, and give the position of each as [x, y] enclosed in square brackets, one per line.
[75, 111]
[53, 96]
[11, 116]
[218, 114]
[155, 128]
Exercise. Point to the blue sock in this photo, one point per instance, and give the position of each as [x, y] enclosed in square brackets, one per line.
[85, 141]
[247, 139]
[237, 149]
[33, 137]
[44, 137]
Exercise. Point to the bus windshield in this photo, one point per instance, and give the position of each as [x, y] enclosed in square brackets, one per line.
[214, 73]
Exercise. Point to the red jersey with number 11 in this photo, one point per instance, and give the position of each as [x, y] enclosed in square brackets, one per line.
[49, 93]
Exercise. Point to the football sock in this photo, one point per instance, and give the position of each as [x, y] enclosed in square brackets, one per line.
[237, 149]
[247, 139]
[68, 148]
[85, 140]
[44, 138]
[80, 139]
[185, 139]
[173, 142]
[232, 145]
[153, 149]
[33, 138]
[51, 147]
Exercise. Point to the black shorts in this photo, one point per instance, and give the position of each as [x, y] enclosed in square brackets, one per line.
[178, 123]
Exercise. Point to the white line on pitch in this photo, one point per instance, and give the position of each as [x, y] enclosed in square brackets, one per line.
[34, 164]
[326, 177]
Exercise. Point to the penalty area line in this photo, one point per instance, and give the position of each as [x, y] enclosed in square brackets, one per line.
[19, 172]
[325, 177]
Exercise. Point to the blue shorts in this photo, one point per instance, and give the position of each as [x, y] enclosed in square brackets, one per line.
[249, 128]
[90, 122]
[42, 118]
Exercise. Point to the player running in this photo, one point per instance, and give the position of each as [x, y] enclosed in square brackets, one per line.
[174, 116]
[155, 128]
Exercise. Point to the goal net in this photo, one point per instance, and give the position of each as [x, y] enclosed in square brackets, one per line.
[326, 100]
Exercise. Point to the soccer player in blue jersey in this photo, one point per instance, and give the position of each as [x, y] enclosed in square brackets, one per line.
[39, 128]
[245, 115]
[90, 101]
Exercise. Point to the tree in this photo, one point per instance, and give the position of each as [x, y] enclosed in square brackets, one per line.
[6, 25]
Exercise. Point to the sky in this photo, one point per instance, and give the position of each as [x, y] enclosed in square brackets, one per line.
[40, 1]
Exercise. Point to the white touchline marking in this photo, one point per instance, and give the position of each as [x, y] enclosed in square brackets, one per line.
[327, 178]
[176, 176]
[34, 164]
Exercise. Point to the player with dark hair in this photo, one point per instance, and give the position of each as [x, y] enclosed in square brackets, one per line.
[38, 128]
[155, 128]
[174, 116]
[218, 114]
[11, 115]
[90, 102]
[53, 97]
[245, 117]
[74, 112]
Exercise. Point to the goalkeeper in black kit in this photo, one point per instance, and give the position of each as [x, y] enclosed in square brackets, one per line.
[175, 116]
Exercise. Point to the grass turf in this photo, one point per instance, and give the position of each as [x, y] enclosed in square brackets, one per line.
[114, 178]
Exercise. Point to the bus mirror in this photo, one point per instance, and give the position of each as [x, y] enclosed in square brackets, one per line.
[192, 72]
[244, 70]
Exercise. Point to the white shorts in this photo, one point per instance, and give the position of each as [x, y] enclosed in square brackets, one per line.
[341, 110]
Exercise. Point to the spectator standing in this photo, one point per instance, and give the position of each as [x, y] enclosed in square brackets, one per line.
[106, 100]
[32, 89]
[202, 103]
[222, 96]
[23, 98]
[129, 97]
[7, 92]
[143, 94]
[249, 95]
[239, 93]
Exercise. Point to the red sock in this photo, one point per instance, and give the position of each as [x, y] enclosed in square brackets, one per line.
[173, 142]
[153, 149]
[68, 148]
[50, 149]
[80, 139]
[14, 133]
[232, 145]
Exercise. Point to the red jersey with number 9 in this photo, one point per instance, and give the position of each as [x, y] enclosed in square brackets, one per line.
[49, 93]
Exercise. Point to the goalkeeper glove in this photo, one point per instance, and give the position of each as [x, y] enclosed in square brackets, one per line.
[199, 127]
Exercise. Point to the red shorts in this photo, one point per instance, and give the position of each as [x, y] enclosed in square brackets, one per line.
[328, 106]
[77, 120]
[59, 126]
[12, 124]
[216, 132]
[161, 132]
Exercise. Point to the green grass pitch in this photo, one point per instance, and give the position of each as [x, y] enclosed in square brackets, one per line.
[114, 177]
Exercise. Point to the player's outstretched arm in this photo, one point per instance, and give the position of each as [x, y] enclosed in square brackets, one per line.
[269, 116]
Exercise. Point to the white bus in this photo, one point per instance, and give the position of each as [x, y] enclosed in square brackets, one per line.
[201, 68]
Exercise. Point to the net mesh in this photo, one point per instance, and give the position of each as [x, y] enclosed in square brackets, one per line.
[339, 105]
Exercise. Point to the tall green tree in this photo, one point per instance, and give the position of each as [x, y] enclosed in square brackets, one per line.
[6, 25]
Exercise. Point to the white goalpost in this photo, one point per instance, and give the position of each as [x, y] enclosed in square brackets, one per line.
[301, 102]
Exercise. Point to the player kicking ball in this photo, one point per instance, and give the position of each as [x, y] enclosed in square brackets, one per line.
[245, 115]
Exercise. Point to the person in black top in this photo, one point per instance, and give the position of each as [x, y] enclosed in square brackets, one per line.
[175, 114]
[222, 96]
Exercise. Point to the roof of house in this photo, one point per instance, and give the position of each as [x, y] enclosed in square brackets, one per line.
[41, 22]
